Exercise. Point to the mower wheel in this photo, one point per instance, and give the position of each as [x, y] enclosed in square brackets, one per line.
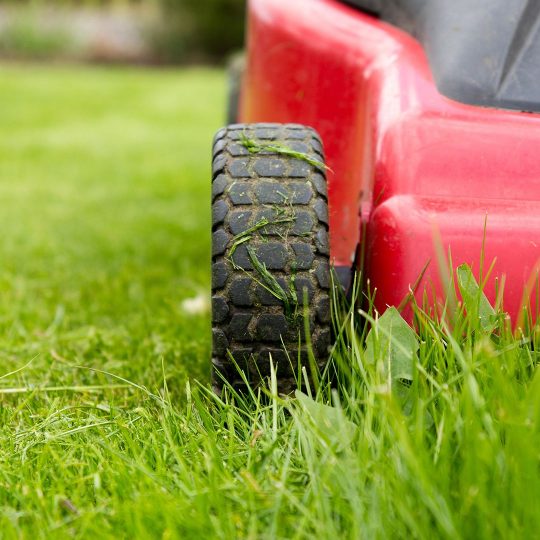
[270, 253]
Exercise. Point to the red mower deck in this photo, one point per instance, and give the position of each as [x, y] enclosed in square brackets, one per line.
[410, 167]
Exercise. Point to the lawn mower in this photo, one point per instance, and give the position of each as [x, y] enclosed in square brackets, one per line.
[428, 113]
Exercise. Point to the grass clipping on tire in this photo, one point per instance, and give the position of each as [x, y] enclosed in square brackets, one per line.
[266, 279]
[255, 147]
[287, 295]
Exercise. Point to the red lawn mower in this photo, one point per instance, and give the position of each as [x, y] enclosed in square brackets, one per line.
[428, 111]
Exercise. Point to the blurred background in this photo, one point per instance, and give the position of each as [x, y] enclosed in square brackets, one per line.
[135, 31]
[108, 109]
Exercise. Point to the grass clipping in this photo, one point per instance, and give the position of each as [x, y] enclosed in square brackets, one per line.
[256, 147]
[265, 278]
[288, 295]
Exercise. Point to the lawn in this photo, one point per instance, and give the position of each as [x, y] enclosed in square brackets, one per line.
[104, 190]
[108, 427]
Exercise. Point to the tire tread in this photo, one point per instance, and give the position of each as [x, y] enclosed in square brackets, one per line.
[247, 321]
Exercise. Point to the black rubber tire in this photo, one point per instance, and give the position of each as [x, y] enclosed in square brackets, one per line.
[248, 321]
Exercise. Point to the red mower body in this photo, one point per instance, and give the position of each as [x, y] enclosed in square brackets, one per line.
[413, 172]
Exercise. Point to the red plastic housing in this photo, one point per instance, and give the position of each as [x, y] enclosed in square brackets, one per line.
[412, 169]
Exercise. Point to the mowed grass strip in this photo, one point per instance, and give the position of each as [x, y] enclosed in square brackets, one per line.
[104, 216]
[104, 197]
[105, 431]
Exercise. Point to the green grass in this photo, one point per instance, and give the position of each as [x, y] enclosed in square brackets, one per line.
[104, 189]
[104, 225]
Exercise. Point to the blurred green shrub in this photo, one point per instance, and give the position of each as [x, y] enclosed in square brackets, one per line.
[201, 29]
[182, 31]
[25, 38]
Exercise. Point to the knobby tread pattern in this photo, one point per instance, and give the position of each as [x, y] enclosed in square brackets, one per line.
[247, 320]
